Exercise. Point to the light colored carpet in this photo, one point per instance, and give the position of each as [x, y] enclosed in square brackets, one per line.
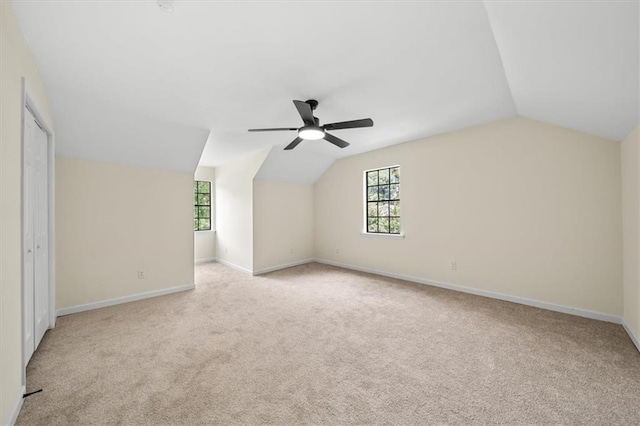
[322, 345]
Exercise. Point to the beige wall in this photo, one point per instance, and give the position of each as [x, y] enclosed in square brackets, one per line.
[205, 241]
[282, 224]
[16, 62]
[234, 210]
[525, 209]
[631, 235]
[114, 220]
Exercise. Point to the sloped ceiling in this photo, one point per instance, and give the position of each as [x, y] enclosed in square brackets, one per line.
[94, 130]
[293, 166]
[416, 68]
[574, 64]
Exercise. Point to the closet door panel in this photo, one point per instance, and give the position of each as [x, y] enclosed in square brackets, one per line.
[30, 127]
[41, 233]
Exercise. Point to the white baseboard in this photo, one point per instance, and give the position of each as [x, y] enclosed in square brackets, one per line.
[17, 406]
[286, 265]
[205, 260]
[633, 337]
[124, 299]
[485, 293]
[234, 266]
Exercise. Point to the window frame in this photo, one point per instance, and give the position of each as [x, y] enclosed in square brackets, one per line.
[197, 206]
[365, 212]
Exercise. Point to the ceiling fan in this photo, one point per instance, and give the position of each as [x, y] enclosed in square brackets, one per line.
[312, 130]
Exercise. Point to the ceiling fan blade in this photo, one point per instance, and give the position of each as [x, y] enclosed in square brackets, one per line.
[336, 141]
[305, 111]
[365, 122]
[293, 144]
[275, 129]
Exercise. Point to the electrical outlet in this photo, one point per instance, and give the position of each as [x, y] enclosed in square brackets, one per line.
[225, 250]
[453, 265]
[290, 251]
[337, 251]
[141, 274]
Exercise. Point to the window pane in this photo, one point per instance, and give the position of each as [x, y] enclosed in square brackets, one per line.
[372, 209]
[394, 208]
[204, 199]
[372, 193]
[383, 209]
[395, 175]
[394, 225]
[394, 192]
[383, 192]
[383, 200]
[204, 212]
[383, 224]
[372, 178]
[204, 224]
[383, 176]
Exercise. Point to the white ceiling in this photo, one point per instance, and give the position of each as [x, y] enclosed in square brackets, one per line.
[112, 133]
[415, 68]
[293, 166]
[574, 64]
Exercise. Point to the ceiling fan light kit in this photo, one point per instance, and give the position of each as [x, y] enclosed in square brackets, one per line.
[311, 133]
[312, 130]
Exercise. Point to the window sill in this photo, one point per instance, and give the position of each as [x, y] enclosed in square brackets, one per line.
[208, 230]
[375, 235]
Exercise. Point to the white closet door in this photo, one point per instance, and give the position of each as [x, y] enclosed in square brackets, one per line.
[36, 235]
[30, 127]
[41, 233]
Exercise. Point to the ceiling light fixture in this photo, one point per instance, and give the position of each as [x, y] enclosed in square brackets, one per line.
[166, 5]
[311, 133]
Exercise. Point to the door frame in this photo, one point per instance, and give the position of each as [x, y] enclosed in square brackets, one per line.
[29, 101]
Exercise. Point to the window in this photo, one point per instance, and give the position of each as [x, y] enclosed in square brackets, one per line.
[202, 206]
[383, 200]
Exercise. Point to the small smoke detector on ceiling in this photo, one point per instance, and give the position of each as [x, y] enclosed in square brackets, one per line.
[166, 5]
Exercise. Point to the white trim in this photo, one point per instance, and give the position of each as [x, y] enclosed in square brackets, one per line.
[124, 299]
[52, 231]
[205, 260]
[17, 406]
[23, 366]
[284, 266]
[485, 293]
[381, 235]
[632, 336]
[234, 266]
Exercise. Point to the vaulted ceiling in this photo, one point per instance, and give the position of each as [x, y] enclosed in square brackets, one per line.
[114, 71]
[571, 63]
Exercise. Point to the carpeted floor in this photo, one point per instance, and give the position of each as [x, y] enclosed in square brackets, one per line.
[322, 345]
